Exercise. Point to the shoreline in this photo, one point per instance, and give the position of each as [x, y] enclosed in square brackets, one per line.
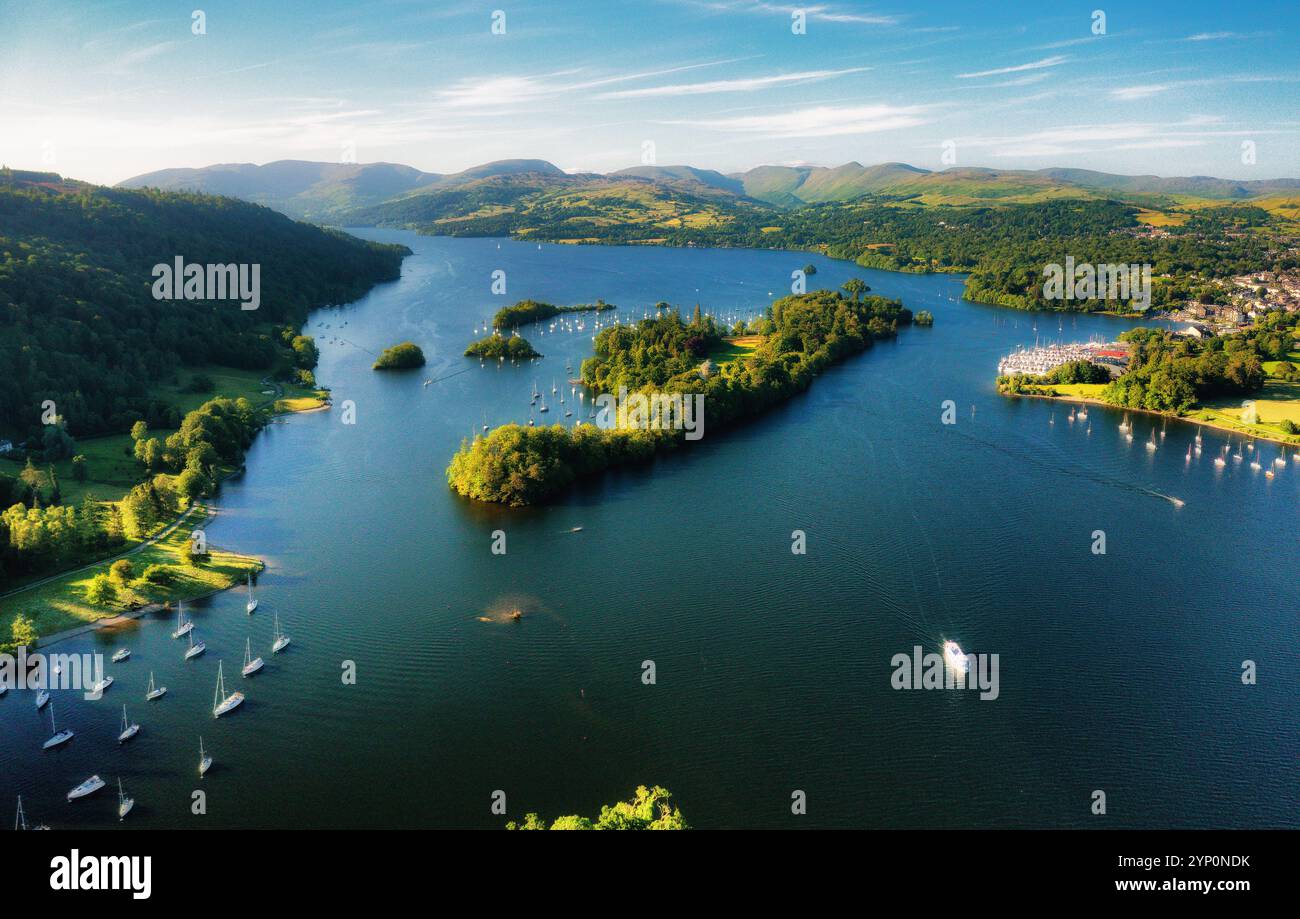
[1199, 422]
[125, 616]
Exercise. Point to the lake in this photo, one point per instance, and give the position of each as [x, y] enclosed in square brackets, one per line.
[1118, 672]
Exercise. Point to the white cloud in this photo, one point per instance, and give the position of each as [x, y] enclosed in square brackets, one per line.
[821, 121]
[1032, 65]
[1128, 93]
[730, 86]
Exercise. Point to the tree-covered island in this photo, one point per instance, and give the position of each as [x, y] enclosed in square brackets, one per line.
[663, 358]
[526, 311]
[497, 347]
[404, 356]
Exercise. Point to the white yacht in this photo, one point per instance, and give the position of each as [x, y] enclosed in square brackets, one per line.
[99, 688]
[42, 698]
[251, 664]
[196, 648]
[121, 655]
[222, 703]
[252, 597]
[954, 657]
[205, 760]
[129, 730]
[88, 787]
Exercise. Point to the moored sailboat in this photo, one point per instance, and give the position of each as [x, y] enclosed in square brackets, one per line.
[88, 787]
[252, 597]
[196, 648]
[281, 640]
[205, 760]
[222, 703]
[124, 804]
[251, 664]
[129, 730]
[57, 737]
[154, 691]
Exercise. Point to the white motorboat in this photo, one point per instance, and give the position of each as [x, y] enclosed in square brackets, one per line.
[954, 657]
[120, 655]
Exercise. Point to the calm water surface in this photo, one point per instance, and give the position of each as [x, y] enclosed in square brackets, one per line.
[1118, 672]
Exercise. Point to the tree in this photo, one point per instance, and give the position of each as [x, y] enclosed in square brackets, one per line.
[100, 591]
[79, 468]
[855, 288]
[139, 431]
[121, 570]
[648, 810]
[22, 634]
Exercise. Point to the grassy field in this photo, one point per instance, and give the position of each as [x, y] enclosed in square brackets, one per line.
[61, 603]
[733, 348]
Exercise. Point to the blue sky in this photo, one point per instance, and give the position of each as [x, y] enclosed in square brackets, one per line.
[109, 90]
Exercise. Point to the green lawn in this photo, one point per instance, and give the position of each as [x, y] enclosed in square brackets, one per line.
[733, 348]
[61, 603]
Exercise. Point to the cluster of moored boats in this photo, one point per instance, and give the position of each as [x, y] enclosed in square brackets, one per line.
[1245, 447]
[223, 702]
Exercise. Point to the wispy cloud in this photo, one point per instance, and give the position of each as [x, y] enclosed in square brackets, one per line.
[730, 86]
[1129, 93]
[1046, 62]
[499, 91]
[821, 121]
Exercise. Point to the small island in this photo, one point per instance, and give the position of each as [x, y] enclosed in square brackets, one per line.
[526, 311]
[498, 347]
[400, 357]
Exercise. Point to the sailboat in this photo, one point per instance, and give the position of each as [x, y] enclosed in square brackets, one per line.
[98, 689]
[205, 760]
[251, 664]
[20, 821]
[1124, 425]
[88, 787]
[252, 599]
[124, 804]
[195, 648]
[129, 730]
[155, 692]
[183, 625]
[281, 640]
[42, 698]
[1151, 444]
[542, 407]
[57, 737]
[222, 703]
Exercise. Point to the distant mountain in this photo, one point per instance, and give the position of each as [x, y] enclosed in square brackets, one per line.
[496, 196]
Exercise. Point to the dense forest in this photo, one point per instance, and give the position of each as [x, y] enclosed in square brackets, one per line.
[801, 336]
[79, 325]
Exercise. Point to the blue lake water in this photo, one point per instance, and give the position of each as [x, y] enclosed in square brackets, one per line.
[1118, 672]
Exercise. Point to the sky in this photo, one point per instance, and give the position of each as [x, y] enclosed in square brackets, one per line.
[109, 90]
